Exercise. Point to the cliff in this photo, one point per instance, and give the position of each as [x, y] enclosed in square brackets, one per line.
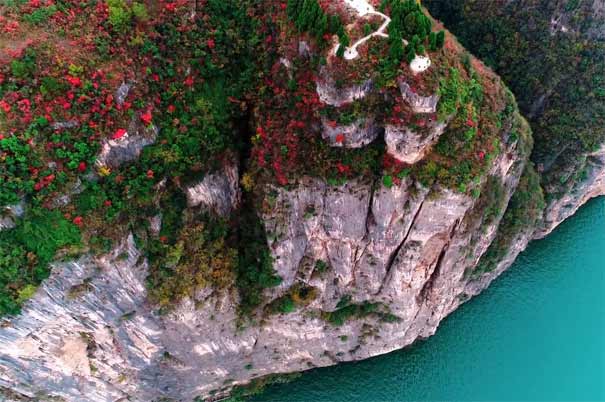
[386, 180]
[554, 66]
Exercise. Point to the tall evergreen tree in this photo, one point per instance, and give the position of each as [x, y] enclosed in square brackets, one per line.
[440, 39]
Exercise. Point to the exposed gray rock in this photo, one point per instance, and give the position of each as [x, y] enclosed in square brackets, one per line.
[303, 49]
[9, 214]
[218, 192]
[64, 125]
[355, 135]
[408, 146]
[88, 333]
[65, 199]
[332, 95]
[122, 93]
[127, 148]
[419, 104]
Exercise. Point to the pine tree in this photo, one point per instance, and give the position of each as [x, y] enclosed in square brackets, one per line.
[335, 24]
[293, 9]
[396, 51]
[440, 39]
[321, 27]
[344, 42]
[433, 41]
[411, 54]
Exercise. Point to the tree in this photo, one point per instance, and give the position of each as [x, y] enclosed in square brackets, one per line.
[396, 51]
[433, 41]
[440, 39]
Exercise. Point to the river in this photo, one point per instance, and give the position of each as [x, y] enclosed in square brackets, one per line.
[538, 333]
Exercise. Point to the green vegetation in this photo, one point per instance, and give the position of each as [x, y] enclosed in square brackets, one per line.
[122, 14]
[557, 77]
[298, 296]
[26, 251]
[255, 265]
[462, 153]
[193, 77]
[308, 16]
[257, 385]
[40, 15]
[524, 210]
[346, 310]
[200, 256]
[408, 22]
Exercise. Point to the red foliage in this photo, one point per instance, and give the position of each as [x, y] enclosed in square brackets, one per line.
[146, 117]
[119, 134]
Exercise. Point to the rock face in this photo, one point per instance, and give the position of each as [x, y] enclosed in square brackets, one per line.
[9, 214]
[88, 334]
[419, 103]
[576, 193]
[332, 95]
[355, 135]
[386, 263]
[408, 146]
[218, 192]
[115, 152]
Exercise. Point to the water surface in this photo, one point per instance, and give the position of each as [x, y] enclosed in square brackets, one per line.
[538, 333]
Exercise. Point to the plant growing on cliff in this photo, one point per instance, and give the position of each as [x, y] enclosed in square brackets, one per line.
[26, 251]
[524, 210]
[308, 16]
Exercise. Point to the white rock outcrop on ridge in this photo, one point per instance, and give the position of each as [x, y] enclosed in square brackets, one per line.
[9, 214]
[218, 192]
[355, 135]
[408, 146]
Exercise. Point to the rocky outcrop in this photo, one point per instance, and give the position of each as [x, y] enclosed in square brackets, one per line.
[410, 147]
[218, 192]
[88, 334]
[584, 182]
[127, 148]
[331, 94]
[355, 135]
[9, 214]
[419, 103]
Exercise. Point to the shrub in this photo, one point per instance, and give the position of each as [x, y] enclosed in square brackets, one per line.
[25, 253]
[139, 10]
[40, 15]
[255, 265]
[120, 15]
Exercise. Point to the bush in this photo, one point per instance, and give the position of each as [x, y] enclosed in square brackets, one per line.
[139, 10]
[255, 265]
[25, 253]
[524, 210]
[40, 15]
[120, 15]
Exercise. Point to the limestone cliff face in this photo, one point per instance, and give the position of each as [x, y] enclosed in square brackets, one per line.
[398, 257]
[90, 335]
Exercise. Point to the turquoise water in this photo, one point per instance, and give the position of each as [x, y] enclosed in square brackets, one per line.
[538, 333]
